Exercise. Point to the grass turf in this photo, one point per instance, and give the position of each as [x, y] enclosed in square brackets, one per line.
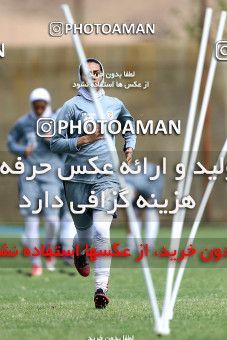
[60, 304]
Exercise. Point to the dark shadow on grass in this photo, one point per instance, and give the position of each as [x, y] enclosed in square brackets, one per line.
[63, 271]
[25, 273]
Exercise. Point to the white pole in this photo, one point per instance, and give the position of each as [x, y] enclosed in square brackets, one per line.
[178, 225]
[195, 228]
[130, 211]
[187, 140]
[195, 94]
[198, 134]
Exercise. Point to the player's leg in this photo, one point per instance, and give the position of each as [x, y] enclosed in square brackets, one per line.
[67, 230]
[32, 240]
[51, 220]
[51, 223]
[101, 223]
[151, 226]
[31, 190]
[152, 221]
[78, 193]
[130, 238]
[132, 196]
[83, 238]
[67, 234]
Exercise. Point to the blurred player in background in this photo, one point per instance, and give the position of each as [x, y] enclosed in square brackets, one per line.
[33, 149]
[140, 184]
[94, 224]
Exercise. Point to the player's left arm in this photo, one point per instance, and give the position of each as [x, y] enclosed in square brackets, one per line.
[129, 137]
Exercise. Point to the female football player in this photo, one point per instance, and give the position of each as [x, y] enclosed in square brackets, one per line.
[34, 149]
[94, 224]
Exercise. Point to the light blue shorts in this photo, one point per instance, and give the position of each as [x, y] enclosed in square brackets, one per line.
[79, 192]
[35, 190]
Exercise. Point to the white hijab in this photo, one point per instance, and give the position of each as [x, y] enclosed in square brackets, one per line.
[42, 94]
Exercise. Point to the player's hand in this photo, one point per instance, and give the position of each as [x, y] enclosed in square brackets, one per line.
[47, 137]
[95, 136]
[129, 155]
[90, 138]
[28, 150]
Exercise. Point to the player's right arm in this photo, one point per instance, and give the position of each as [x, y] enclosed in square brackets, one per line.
[61, 142]
[13, 141]
[90, 138]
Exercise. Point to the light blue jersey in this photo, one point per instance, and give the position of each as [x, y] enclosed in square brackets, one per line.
[22, 134]
[79, 108]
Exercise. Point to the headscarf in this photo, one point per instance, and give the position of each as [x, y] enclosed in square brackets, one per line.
[42, 94]
[83, 91]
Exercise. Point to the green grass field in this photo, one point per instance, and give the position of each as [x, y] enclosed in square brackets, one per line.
[60, 304]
